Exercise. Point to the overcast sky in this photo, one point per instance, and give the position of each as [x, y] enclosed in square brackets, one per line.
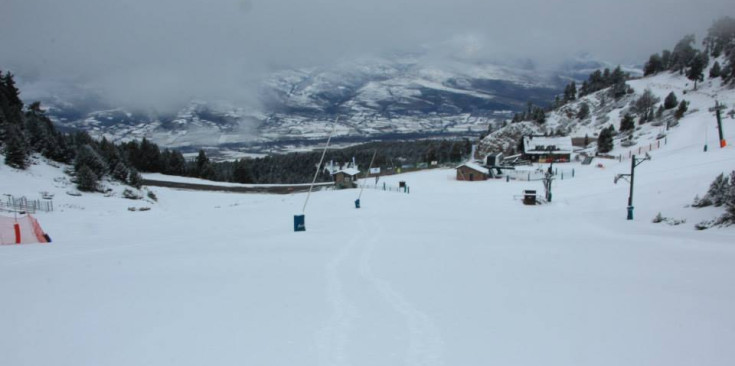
[166, 49]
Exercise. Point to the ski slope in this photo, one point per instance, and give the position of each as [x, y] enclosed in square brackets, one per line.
[454, 273]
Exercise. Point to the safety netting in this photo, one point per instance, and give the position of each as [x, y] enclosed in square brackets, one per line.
[21, 230]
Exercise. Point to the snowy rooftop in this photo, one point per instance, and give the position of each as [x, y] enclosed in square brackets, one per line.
[475, 166]
[349, 171]
[541, 144]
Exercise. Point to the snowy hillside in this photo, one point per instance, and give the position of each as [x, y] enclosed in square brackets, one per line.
[454, 273]
[607, 111]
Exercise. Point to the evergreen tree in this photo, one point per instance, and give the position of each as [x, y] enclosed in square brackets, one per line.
[150, 157]
[88, 157]
[683, 53]
[605, 140]
[683, 107]
[644, 105]
[584, 111]
[666, 60]
[670, 101]
[653, 66]
[695, 72]
[715, 71]
[660, 111]
[87, 180]
[241, 173]
[721, 36]
[134, 178]
[570, 92]
[627, 123]
[16, 149]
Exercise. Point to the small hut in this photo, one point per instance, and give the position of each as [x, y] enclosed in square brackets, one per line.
[346, 178]
[470, 171]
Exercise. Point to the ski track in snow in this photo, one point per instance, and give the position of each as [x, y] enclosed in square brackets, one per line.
[425, 343]
[332, 339]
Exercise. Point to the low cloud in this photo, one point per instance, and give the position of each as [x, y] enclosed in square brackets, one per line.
[164, 52]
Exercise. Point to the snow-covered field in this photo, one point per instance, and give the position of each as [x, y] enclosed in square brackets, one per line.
[454, 273]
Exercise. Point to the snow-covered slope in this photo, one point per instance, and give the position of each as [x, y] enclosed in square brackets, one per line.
[454, 273]
[607, 111]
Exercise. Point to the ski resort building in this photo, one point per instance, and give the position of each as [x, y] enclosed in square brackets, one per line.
[346, 178]
[544, 149]
[471, 171]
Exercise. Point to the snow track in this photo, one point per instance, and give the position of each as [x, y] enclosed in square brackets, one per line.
[338, 341]
[424, 343]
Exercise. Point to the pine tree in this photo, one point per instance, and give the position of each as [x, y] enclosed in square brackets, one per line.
[683, 53]
[653, 66]
[645, 103]
[695, 72]
[627, 123]
[584, 111]
[16, 149]
[683, 107]
[87, 180]
[241, 173]
[715, 71]
[670, 101]
[605, 140]
[88, 157]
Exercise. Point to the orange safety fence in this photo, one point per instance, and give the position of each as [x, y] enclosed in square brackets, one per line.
[21, 230]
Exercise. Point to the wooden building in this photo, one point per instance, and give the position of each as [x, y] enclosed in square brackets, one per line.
[472, 172]
[542, 149]
[346, 178]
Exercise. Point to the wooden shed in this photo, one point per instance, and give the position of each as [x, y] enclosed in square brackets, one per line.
[346, 178]
[472, 172]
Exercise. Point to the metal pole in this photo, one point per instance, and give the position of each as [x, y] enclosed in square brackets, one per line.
[630, 196]
[723, 143]
[316, 174]
[367, 174]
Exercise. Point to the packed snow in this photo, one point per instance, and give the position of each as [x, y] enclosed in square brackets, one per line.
[452, 273]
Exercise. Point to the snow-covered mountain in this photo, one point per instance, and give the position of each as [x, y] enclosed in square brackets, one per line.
[378, 98]
[607, 111]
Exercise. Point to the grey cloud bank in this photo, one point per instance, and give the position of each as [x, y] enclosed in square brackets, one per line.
[165, 51]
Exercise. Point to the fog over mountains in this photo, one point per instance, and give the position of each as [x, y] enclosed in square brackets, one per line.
[406, 96]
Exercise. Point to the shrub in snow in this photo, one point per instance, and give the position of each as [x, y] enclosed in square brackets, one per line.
[721, 193]
[673, 222]
[131, 195]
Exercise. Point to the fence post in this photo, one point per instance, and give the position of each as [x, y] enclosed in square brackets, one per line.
[529, 177]
[572, 173]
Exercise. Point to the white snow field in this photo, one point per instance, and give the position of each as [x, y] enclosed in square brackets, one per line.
[454, 273]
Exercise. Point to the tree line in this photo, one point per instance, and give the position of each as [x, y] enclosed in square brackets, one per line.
[685, 59]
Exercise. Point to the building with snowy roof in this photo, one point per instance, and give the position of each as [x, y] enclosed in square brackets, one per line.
[471, 171]
[543, 149]
[346, 178]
